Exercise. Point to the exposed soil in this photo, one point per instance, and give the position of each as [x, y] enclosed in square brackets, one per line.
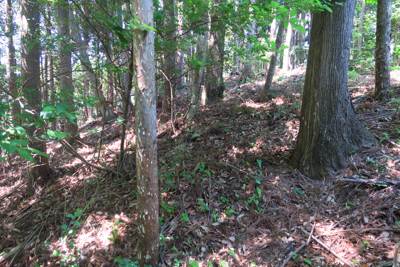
[228, 196]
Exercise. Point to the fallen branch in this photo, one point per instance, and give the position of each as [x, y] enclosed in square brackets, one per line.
[71, 150]
[300, 248]
[360, 230]
[327, 248]
[374, 181]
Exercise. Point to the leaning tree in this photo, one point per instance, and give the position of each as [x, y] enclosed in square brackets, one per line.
[329, 127]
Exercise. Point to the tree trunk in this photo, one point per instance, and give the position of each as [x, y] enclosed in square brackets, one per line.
[382, 49]
[51, 64]
[103, 105]
[30, 74]
[195, 98]
[169, 61]
[214, 80]
[286, 52]
[65, 69]
[272, 64]
[247, 64]
[179, 52]
[329, 127]
[146, 138]
[12, 85]
[360, 27]
[273, 30]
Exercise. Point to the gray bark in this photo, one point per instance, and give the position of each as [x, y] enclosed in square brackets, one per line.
[382, 49]
[286, 52]
[146, 138]
[195, 98]
[360, 27]
[329, 128]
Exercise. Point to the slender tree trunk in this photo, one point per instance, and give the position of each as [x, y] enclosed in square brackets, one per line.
[103, 105]
[203, 70]
[10, 66]
[30, 74]
[169, 61]
[360, 27]
[179, 51]
[272, 64]
[286, 52]
[214, 80]
[329, 128]
[146, 138]
[273, 30]
[382, 49]
[195, 98]
[67, 88]
[247, 64]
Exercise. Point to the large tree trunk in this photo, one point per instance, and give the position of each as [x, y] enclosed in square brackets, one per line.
[329, 127]
[169, 61]
[272, 64]
[30, 74]
[286, 52]
[12, 85]
[103, 105]
[382, 49]
[65, 69]
[214, 81]
[146, 138]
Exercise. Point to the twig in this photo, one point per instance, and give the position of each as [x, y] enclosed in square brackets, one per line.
[374, 181]
[396, 251]
[301, 247]
[327, 248]
[360, 230]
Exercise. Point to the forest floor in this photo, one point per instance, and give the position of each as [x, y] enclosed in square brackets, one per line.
[228, 196]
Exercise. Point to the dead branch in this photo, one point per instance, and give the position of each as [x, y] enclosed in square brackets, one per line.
[396, 251]
[327, 248]
[360, 230]
[374, 181]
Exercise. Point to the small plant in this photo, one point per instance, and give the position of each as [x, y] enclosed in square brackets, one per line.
[298, 191]
[185, 217]
[125, 262]
[308, 262]
[365, 245]
[203, 205]
[225, 200]
[115, 232]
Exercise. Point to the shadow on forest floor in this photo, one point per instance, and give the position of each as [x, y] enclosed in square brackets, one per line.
[228, 196]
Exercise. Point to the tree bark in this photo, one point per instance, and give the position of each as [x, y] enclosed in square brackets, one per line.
[146, 137]
[179, 51]
[382, 49]
[214, 80]
[329, 127]
[10, 66]
[65, 69]
[30, 74]
[169, 61]
[286, 52]
[272, 64]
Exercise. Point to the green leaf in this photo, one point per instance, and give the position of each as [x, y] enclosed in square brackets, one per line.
[37, 152]
[185, 217]
[193, 264]
[56, 253]
[308, 262]
[298, 27]
[69, 215]
[25, 154]
[232, 253]
[293, 12]
[282, 10]
[19, 142]
[148, 27]
[120, 119]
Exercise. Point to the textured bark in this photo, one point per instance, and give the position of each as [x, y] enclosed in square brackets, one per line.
[30, 74]
[214, 81]
[329, 127]
[146, 138]
[272, 30]
[360, 27]
[195, 98]
[203, 70]
[65, 68]
[103, 105]
[247, 64]
[286, 52]
[272, 64]
[169, 61]
[382, 49]
[12, 85]
[51, 64]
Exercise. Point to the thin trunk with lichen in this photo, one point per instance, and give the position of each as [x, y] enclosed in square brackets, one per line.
[146, 137]
[329, 128]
